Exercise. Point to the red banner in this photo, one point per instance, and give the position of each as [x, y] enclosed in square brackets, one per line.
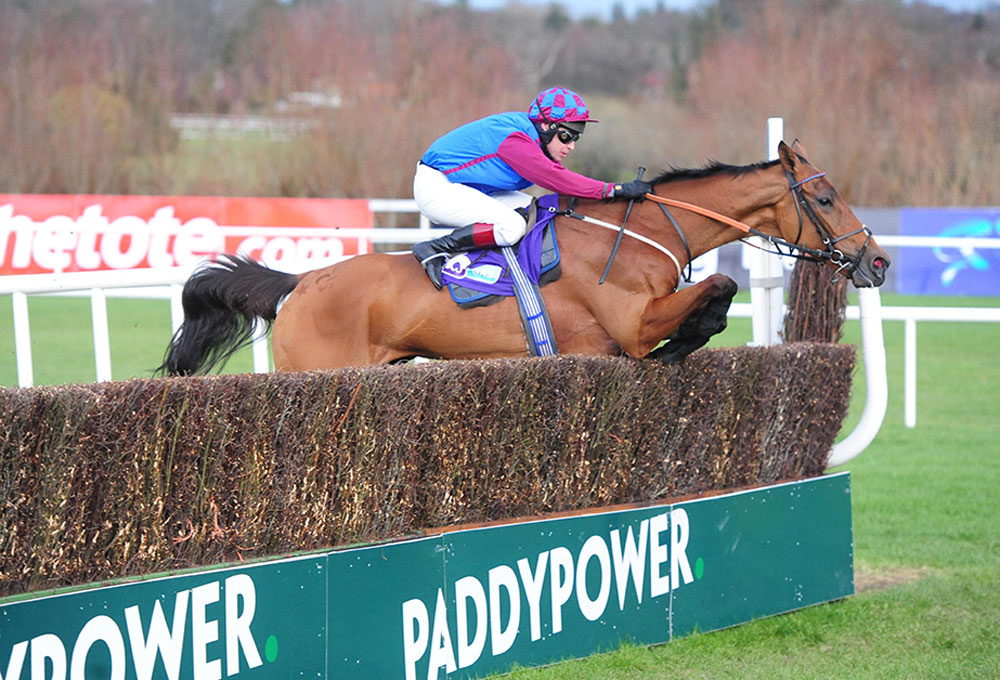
[69, 233]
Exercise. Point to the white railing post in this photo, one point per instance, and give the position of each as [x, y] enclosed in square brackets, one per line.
[766, 274]
[910, 372]
[176, 306]
[22, 340]
[102, 338]
[259, 349]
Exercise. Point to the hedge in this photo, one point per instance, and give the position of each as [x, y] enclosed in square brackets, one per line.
[123, 478]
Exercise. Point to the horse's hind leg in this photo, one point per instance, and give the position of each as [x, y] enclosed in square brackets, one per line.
[706, 318]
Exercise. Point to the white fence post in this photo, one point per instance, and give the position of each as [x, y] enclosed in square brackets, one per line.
[766, 275]
[910, 372]
[22, 340]
[176, 307]
[259, 349]
[102, 339]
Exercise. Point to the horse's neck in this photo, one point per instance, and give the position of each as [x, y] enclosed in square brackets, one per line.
[749, 198]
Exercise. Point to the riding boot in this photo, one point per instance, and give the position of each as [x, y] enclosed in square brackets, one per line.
[433, 254]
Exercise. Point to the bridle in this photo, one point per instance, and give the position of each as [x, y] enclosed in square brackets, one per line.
[830, 252]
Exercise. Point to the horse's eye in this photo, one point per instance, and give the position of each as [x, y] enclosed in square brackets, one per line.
[825, 201]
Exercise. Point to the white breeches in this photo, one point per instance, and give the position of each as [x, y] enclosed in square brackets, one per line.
[457, 205]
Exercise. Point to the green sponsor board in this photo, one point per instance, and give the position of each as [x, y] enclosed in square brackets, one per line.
[461, 604]
[774, 550]
[210, 624]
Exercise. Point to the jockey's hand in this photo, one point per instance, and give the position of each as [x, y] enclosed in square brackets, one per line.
[636, 189]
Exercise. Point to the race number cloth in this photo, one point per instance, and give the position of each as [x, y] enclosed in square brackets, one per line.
[480, 278]
[477, 277]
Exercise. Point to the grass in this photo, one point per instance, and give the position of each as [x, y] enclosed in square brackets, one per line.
[926, 504]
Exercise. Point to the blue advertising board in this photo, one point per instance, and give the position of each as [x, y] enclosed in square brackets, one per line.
[949, 271]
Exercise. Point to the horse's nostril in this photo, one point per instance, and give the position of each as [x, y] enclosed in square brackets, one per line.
[879, 263]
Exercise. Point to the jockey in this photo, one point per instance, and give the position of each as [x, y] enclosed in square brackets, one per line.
[472, 177]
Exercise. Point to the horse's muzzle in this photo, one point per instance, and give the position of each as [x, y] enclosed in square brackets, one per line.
[870, 271]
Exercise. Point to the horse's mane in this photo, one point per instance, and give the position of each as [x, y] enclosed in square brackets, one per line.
[712, 169]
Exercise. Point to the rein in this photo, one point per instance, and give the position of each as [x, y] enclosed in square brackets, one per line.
[781, 246]
[804, 252]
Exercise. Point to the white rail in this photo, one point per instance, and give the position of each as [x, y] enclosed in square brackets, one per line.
[159, 283]
[960, 242]
[909, 316]
[96, 284]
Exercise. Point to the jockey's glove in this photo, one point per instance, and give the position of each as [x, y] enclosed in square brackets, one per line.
[636, 189]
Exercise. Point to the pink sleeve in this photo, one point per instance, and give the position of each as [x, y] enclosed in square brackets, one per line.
[525, 156]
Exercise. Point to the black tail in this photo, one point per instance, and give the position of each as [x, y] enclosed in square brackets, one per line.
[221, 302]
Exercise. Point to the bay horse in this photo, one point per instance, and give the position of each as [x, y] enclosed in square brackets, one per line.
[381, 308]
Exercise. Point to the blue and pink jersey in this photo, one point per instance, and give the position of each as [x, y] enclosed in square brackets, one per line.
[502, 152]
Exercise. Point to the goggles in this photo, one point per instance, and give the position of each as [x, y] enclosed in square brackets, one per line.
[566, 135]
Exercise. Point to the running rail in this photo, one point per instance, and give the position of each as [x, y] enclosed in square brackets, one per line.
[873, 350]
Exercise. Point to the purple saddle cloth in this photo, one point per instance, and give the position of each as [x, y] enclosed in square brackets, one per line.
[474, 276]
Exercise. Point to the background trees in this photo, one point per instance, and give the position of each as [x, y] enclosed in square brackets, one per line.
[898, 102]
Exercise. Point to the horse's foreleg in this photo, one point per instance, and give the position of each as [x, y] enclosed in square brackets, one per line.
[688, 318]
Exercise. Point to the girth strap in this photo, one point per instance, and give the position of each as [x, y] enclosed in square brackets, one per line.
[534, 316]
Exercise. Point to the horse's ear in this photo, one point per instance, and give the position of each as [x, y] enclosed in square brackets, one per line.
[799, 149]
[788, 158]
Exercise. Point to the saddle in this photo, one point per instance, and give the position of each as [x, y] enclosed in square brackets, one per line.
[479, 278]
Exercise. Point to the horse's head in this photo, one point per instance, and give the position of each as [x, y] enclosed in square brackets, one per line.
[815, 218]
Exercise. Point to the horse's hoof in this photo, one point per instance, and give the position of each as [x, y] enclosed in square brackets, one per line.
[675, 351]
[671, 358]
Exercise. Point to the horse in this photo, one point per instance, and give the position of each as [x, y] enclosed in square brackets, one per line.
[380, 308]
